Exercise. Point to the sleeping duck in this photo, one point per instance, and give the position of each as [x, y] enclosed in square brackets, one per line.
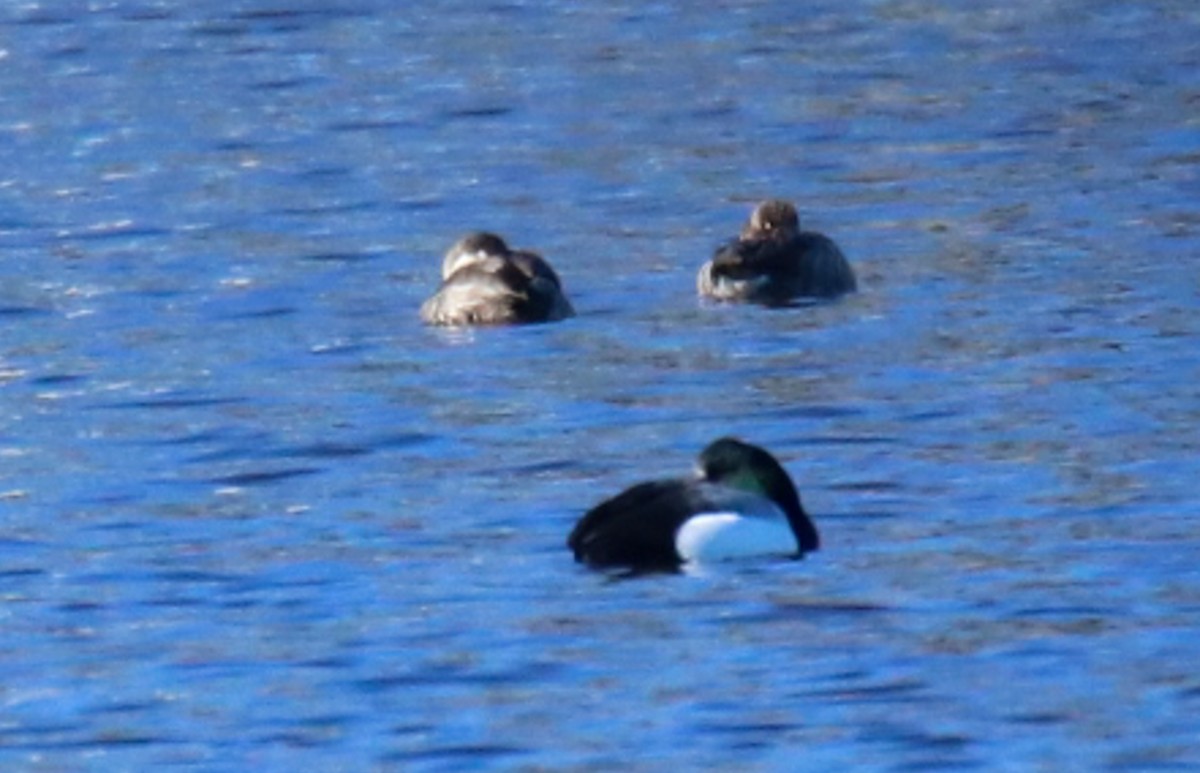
[486, 283]
[773, 261]
[741, 503]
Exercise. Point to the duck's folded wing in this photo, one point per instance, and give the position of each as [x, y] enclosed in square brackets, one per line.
[542, 301]
[635, 528]
[738, 259]
[473, 296]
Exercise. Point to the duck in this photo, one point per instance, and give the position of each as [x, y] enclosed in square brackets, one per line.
[741, 503]
[772, 261]
[485, 282]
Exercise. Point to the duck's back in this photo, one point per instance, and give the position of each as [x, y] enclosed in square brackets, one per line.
[497, 291]
[773, 270]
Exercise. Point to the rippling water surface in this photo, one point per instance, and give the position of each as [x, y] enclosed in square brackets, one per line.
[254, 516]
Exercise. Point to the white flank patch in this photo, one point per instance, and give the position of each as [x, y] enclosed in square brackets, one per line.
[724, 536]
[727, 288]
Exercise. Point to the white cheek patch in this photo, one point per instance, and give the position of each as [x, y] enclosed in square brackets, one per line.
[464, 259]
[724, 536]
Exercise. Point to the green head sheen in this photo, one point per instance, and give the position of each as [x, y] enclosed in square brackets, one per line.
[732, 463]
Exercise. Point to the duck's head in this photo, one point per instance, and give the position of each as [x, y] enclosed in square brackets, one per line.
[473, 248]
[733, 463]
[774, 217]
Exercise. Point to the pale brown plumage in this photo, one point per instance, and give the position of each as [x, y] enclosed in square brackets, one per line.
[486, 283]
[773, 261]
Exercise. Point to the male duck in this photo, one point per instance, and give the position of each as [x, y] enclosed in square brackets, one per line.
[773, 261]
[486, 283]
[740, 504]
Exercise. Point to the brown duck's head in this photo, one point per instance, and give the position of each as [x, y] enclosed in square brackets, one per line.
[773, 217]
[473, 248]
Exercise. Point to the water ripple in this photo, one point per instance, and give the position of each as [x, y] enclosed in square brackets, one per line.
[253, 514]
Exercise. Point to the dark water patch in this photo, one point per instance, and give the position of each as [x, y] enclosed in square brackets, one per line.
[342, 257]
[402, 440]
[114, 525]
[180, 402]
[346, 208]
[722, 110]
[325, 173]
[931, 415]
[22, 545]
[11, 226]
[260, 448]
[321, 13]
[918, 765]
[868, 487]
[282, 84]
[33, 734]
[113, 231]
[305, 737]
[466, 755]
[900, 691]
[246, 604]
[444, 675]
[219, 29]
[208, 436]
[260, 583]
[416, 204]
[787, 611]
[846, 440]
[126, 707]
[1168, 757]
[322, 450]
[494, 111]
[194, 576]
[39, 17]
[108, 741]
[20, 574]
[412, 728]
[1023, 133]
[382, 124]
[58, 379]
[536, 468]
[272, 14]
[937, 751]
[813, 412]
[770, 729]
[1067, 612]
[1039, 718]
[1190, 693]
[147, 14]
[153, 293]
[330, 663]
[1048, 649]
[277, 24]
[267, 313]
[235, 146]
[23, 311]
[264, 477]
[829, 607]
[860, 515]
[887, 732]
[80, 607]
[175, 602]
[763, 50]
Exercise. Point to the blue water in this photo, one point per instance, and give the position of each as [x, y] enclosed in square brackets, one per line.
[253, 516]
